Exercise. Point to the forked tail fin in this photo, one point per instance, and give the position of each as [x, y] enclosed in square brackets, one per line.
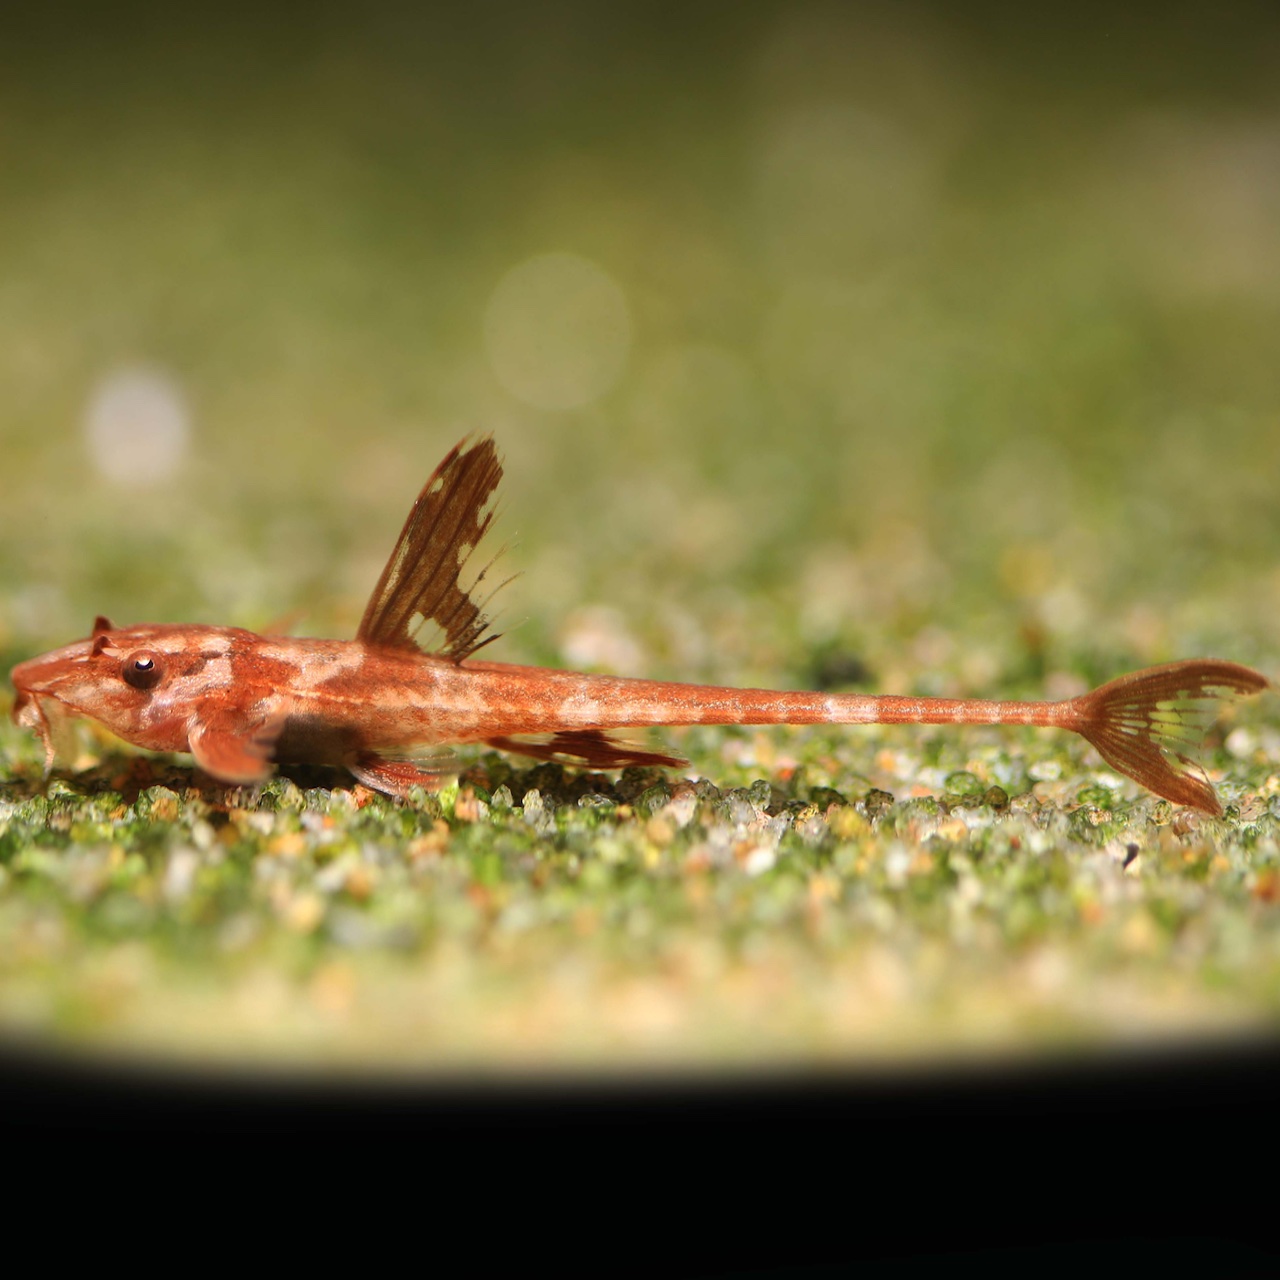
[1149, 725]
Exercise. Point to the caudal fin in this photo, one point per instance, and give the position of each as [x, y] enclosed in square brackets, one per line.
[1149, 725]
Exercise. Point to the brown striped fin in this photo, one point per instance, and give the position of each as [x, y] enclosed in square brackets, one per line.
[592, 747]
[1151, 724]
[421, 580]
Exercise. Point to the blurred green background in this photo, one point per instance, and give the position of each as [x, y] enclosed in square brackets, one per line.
[970, 317]
[932, 346]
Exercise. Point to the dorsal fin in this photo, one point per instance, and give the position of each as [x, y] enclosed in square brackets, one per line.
[421, 580]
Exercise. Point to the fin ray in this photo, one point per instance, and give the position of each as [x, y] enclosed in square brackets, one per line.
[421, 579]
[1149, 725]
[395, 777]
[593, 747]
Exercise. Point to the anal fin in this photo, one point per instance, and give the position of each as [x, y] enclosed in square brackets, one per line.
[593, 747]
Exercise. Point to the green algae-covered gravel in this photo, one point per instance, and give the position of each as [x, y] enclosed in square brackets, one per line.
[937, 356]
[538, 919]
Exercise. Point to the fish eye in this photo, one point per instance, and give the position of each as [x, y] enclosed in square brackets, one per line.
[142, 669]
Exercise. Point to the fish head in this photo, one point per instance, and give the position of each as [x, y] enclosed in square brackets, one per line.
[140, 682]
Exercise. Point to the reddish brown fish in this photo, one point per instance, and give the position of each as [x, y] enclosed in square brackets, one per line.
[241, 702]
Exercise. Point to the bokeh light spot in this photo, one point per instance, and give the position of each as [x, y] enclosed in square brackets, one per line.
[557, 331]
[137, 424]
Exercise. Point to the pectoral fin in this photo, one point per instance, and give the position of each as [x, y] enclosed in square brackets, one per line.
[231, 749]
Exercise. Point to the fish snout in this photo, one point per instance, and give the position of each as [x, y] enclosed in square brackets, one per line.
[35, 677]
[64, 676]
